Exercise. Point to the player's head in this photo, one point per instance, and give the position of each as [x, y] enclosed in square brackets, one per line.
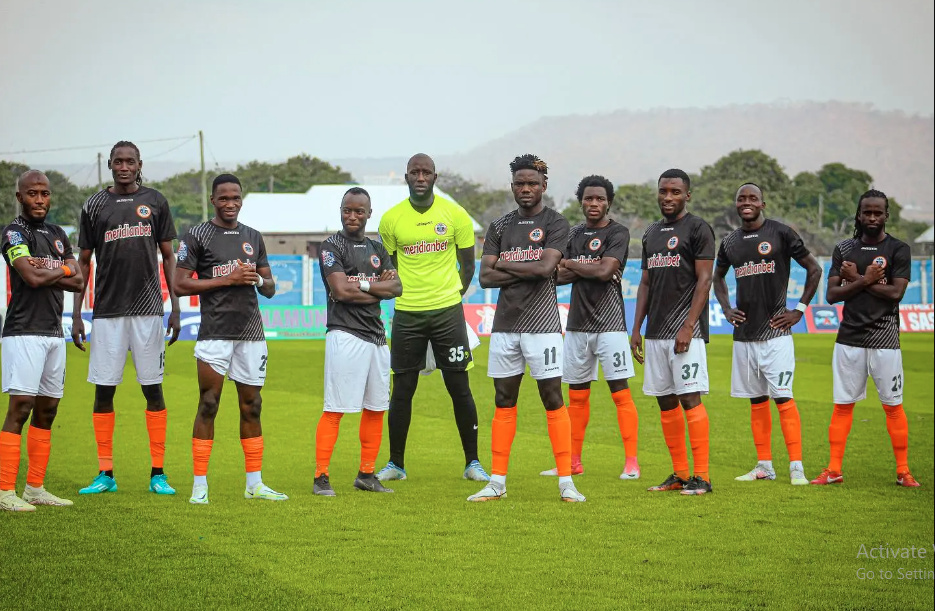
[749, 201]
[34, 195]
[530, 179]
[355, 210]
[227, 197]
[595, 194]
[420, 176]
[674, 192]
[873, 210]
[125, 164]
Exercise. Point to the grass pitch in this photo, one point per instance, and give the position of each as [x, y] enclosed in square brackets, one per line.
[746, 546]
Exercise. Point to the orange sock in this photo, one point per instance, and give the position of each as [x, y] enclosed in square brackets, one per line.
[673, 429]
[791, 428]
[897, 425]
[38, 447]
[156, 425]
[9, 459]
[761, 423]
[326, 435]
[201, 454]
[579, 411]
[371, 434]
[502, 432]
[252, 453]
[840, 427]
[628, 420]
[104, 434]
[560, 436]
[698, 434]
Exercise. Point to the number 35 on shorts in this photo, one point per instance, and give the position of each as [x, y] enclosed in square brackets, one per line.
[457, 354]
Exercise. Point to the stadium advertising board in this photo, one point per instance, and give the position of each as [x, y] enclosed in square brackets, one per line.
[913, 318]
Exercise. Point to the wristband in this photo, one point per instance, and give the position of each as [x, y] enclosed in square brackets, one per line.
[67, 270]
[801, 307]
[259, 282]
[365, 286]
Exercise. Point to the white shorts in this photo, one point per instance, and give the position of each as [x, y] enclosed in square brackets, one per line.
[584, 350]
[851, 367]
[243, 362]
[668, 373]
[763, 369]
[511, 352]
[143, 336]
[33, 365]
[357, 374]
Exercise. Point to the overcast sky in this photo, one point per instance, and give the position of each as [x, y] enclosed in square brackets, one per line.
[355, 78]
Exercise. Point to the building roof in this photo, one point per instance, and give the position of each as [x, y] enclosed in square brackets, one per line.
[927, 237]
[316, 211]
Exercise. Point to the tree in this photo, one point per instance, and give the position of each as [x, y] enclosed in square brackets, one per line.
[296, 175]
[9, 172]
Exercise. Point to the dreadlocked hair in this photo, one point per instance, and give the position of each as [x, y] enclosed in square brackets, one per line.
[529, 162]
[595, 181]
[858, 230]
[123, 143]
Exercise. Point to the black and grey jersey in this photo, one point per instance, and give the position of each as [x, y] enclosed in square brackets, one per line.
[211, 251]
[870, 321]
[530, 306]
[359, 260]
[34, 311]
[669, 254]
[597, 306]
[124, 231]
[761, 260]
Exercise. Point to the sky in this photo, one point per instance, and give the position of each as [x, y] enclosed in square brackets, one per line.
[267, 80]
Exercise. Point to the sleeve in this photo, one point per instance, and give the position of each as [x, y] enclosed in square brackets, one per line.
[464, 230]
[703, 241]
[330, 259]
[188, 253]
[13, 245]
[386, 233]
[794, 244]
[261, 258]
[492, 241]
[722, 259]
[85, 232]
[618, 245]
[165, 229]
[385, 259]
[557, 236]
[836, 260]
[902, 262]
[644, 263]
[67, 253]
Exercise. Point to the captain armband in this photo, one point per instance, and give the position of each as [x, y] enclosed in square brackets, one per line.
[20, 250]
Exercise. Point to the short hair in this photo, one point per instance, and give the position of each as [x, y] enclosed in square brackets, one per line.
[858, 230]
[751, 184]
[676, 173]
[529, 162]
[356, 191]
[223, 179]
[595, 181]
[27, 174]
[121, 144]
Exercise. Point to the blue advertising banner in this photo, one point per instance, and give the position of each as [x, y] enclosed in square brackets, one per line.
[287, 270]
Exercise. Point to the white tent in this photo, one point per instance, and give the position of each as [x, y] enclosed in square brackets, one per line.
[927, 237]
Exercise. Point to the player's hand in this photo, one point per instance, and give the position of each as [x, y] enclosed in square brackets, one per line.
[77, 332]
[34, 262]
[874, 274]
[636, 347]
[242, 275]
[734, 316]
[387, 275]
[786, 320]
[175, 327]
[683, 338]
[849, 271]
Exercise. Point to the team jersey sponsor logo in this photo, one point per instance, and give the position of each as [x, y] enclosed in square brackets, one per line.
[594, 244]
[764, 248]
[375, 261]
[673, 242]
[536, 234]
[880, 262]
[327, 258]
[248, 248]
[522, 254]
[59, 247]
[661, 260]
[587, 259]
[49, 262]
[362, 276]
[144, 211]
[15, 238]
[755, 269]
[441, 229]
[183, 251]
[423, 247]
[224, 269]
[122, 232]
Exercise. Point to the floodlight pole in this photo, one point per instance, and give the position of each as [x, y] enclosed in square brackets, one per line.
[204, 178]
[100, 178]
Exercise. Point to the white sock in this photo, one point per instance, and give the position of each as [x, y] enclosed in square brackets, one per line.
[253, 478]
[796, 464]
[32, 488]
[766, 464]
[564, 479]
[500, 479]
[201, 480]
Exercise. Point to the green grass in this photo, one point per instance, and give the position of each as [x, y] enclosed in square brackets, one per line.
[747, 546]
